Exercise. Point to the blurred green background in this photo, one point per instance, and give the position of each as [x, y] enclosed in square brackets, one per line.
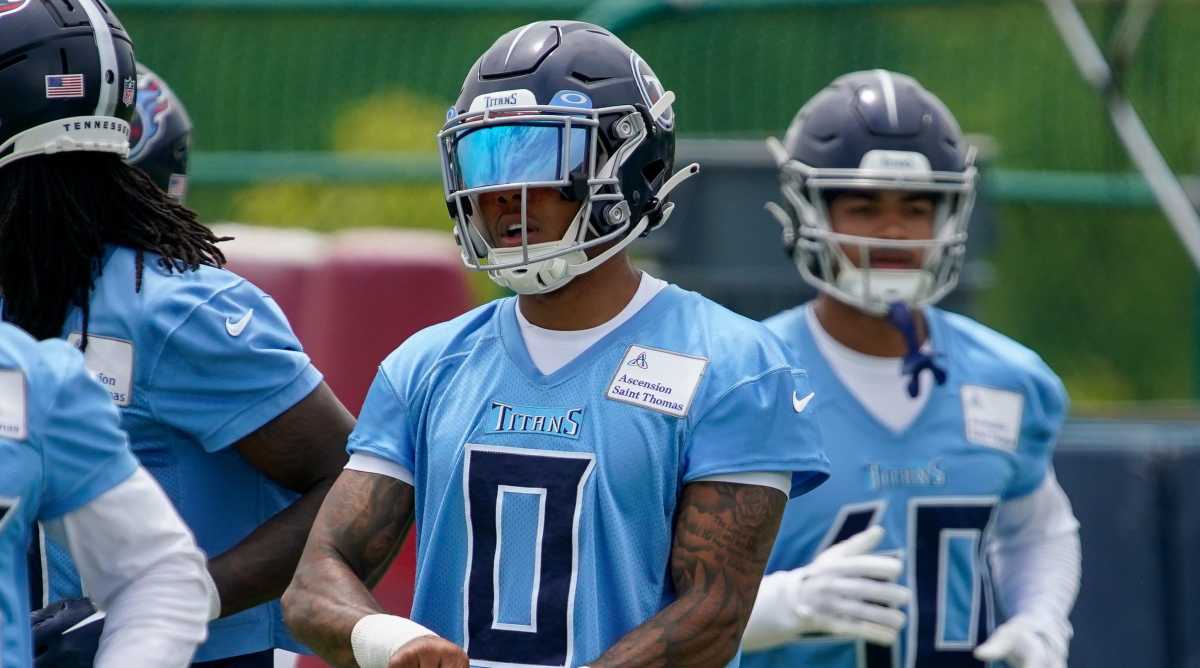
[322, 115]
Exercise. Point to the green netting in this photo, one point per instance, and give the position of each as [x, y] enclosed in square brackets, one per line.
[280, 81]
[258, 80]
[1104, 292]
[1000, 66]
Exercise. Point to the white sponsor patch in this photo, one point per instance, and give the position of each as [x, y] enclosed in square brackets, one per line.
[657, 379]
[992, 417]
[13, 413]
[110, 362]
[504, 98]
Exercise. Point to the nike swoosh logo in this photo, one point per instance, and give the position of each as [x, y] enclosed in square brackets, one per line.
[235, 328]
[799, 404]
[94, 617]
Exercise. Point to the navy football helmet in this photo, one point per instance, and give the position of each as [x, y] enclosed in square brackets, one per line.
[161, 134]
[67, 79]
[66, 634]
[874, 130]
[565, 105]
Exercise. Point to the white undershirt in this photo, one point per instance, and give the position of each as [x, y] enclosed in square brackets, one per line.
[140, 565]
[551, 350]
[876, 382]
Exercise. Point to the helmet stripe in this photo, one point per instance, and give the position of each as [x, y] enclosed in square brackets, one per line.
[889, 96]
[107, 102]
[514, 42]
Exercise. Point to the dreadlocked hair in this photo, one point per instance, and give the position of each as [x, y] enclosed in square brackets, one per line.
[57, 213]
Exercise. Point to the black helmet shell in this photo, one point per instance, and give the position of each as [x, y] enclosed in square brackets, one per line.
[550, 58]
[68, 80]
[875, 110]
[161, 134]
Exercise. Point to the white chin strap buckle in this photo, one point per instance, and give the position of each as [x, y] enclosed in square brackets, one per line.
[876, 288]
[539, 277]
[542, 276]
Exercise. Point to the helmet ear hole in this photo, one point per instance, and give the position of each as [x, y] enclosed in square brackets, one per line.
[653, 171]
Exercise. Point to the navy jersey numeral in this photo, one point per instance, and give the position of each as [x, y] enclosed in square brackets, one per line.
[936, 527]
[523, 509]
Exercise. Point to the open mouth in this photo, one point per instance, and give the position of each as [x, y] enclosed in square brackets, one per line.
[893, 259]
[509, 232]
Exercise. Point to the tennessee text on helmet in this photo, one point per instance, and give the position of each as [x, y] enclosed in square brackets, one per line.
[161, 134]
[568, 106]
[67, 79]
[874, 130]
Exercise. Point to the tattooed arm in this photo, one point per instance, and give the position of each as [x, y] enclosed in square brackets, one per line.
[723, 536]
[356, 535]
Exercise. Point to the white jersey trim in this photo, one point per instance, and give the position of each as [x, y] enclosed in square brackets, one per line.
[779, 481]
[368, 463]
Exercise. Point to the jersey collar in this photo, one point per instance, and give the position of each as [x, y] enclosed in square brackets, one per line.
[514, 343]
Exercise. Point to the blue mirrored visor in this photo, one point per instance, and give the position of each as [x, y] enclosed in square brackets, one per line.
[519, 153]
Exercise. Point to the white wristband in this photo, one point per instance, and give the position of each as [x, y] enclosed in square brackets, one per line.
[376, 637]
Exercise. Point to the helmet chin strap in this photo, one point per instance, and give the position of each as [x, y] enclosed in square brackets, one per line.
[875, 290]
[915, 361]
[539, 276]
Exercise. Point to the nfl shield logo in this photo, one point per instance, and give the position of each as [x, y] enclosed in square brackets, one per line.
[130, 93]
[10, 6]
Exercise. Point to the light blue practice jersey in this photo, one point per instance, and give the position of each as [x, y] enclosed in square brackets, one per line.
[61, 447]
[983, 437]
[545, 503]
[196, 360]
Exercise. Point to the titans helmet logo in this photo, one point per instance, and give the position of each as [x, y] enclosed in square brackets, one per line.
[11, 6]
[651, 89]
[153, 103]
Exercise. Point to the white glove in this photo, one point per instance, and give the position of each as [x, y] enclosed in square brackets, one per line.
[1018, 643]
[845, 591]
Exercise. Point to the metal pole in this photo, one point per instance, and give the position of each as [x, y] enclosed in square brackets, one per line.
[1167, 189]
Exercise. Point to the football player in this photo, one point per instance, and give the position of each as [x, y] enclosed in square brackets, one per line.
[944, 519]
[67, 464]
[160, 140]
[221, 404]
[596, 466]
